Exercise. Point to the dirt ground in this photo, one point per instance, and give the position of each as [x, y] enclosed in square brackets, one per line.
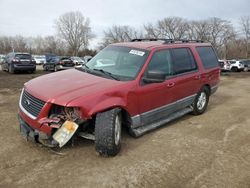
[211, 150]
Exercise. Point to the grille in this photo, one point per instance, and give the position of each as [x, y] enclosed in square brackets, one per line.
[31, 104]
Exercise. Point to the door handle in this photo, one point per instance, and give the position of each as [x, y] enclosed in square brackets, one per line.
[172, 84]
[198, 77]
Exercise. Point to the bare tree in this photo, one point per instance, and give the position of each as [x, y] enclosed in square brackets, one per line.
[152, 31]
[171, 27]
[119, 34]
[75, 29]
[245, 28]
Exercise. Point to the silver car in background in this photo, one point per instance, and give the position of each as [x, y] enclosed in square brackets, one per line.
[40, 59]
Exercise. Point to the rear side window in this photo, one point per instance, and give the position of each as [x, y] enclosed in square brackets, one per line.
[183, 60]
[208, 57]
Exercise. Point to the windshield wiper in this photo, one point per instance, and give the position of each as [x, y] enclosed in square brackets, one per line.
[84, 68]
[107, 73]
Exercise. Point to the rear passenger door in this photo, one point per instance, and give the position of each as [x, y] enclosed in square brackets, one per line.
[187, 77]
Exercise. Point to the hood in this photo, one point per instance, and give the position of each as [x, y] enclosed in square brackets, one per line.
[65, 86]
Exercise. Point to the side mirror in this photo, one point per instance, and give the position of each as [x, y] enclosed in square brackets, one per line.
[154, 76]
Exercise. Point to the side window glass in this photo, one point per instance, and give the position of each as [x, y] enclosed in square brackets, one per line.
[183, 60]
[161, 61]
[208, 57]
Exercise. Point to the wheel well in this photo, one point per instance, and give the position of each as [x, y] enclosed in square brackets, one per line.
[208, 87]
[126, 119]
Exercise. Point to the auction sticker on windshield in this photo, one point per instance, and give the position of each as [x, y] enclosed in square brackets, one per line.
[137, 52]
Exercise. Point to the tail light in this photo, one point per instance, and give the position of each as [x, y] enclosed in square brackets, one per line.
[61, 62]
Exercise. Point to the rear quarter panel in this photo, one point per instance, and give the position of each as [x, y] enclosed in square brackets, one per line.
[210, 76]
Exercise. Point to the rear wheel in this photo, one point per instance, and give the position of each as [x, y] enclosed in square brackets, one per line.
[201, 101]
[55, 68]
[108, 127]
[234, 69]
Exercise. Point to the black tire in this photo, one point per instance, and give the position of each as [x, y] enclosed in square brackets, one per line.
[108, 132]
[234, 69]
[198, 106]
[55, 68]
[11, 69]
[45, 68]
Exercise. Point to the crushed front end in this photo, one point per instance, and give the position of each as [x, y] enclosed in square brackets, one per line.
[47, 123]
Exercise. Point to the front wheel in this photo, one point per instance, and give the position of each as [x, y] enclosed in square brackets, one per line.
[108, 127]
[201, 101]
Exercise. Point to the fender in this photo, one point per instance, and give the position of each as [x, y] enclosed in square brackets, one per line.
[106, 104]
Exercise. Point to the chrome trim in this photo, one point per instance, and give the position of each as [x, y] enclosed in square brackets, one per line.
[22, 108]
[138, 120]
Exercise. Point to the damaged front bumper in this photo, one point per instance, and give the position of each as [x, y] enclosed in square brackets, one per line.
[35, 135]
[60, 137]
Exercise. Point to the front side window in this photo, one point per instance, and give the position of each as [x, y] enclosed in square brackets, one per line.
[122, 62]
[183, 60]
[208, 57]
[161, 61]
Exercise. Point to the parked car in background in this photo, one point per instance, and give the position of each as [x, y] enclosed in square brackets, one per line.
[141, 86]
[2, 58]
[18, 61]
[58, 63]
[87, 58]
[246, 64]
[224, 65]
[40, 59]
[77, 60]
[236, 65]
[50, 56]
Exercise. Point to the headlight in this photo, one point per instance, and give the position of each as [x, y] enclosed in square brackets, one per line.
[65, 132]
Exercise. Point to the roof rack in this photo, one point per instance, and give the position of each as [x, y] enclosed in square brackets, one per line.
[167, 41]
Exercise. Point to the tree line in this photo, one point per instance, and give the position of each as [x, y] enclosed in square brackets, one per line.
[73, 35]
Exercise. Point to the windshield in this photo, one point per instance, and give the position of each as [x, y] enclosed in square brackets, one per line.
[122, 62]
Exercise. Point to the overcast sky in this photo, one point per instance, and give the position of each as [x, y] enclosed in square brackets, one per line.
[37, 17]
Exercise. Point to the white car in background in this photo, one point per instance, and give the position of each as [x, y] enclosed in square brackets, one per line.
[236, 65]
[77, 60]
[225, 65]
[86, 58]
[2, 58]
[40, 59]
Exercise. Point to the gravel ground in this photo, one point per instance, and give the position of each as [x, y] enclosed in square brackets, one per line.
[211, 150]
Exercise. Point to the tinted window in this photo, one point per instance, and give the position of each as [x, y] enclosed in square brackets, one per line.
[161, 61]
[23, 56]
[183, 60]
[208, 57]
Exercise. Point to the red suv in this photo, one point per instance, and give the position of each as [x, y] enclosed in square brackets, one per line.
[140, 85]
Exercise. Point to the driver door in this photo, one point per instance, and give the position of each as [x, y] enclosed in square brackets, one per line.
[156, 100]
